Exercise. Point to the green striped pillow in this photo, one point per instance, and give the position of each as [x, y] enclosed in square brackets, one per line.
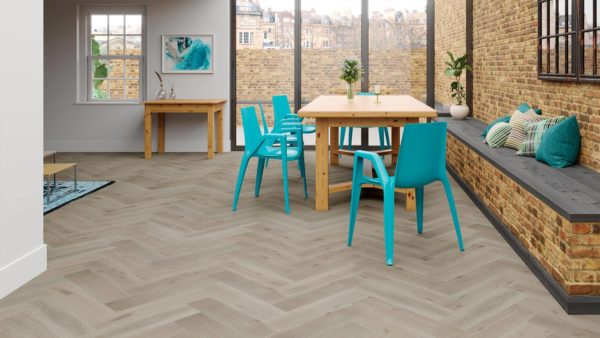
[498, 134]
[535, 131]
[517, 122]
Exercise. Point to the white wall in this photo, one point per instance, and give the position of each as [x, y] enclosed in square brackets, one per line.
[22, 251]
[119, 128]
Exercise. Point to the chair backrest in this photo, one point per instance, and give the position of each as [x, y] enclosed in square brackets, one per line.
[281, 108]
[252, 134]
[264, 119]
[422, 156]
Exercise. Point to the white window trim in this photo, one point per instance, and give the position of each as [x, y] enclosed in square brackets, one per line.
[83, 45]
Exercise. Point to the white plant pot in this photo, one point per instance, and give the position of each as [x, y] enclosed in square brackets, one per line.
[459, 112]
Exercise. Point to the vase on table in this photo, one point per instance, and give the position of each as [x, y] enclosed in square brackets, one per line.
[161, 94]
[350, 93]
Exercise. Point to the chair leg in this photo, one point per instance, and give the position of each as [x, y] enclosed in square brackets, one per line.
[388, 222]
[354, 199]
[420, 197]
[381, 138]
[303, 172]
[240, 180]
[350, 130]
[284, 169]
[259, 176]
[342, 137]
[266, 163]
[450, 198]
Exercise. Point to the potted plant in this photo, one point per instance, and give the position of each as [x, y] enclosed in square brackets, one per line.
[351, 72]
[455, 68]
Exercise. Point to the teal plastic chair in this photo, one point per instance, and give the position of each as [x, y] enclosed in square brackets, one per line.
[384, 134]
[281, 109]
[261, 146]
[421, 161]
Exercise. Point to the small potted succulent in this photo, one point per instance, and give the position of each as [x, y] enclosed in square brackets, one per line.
[456, 66]
[351, 72]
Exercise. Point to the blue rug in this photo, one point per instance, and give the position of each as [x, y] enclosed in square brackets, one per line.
[83, 188]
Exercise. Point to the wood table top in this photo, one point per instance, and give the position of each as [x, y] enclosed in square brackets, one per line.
[55, 168]
[330, 106]
[186, 101]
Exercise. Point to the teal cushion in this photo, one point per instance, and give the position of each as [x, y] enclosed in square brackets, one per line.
[524, 107]
[487, 129]
[560, 144]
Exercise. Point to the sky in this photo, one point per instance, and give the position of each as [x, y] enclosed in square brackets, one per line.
[330, 6]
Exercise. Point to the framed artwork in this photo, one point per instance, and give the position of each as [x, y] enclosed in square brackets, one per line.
[187, 53]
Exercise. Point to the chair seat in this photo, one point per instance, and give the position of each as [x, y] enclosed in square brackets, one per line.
[275, 152]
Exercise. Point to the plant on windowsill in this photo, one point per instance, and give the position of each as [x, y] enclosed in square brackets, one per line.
[351, 73]
[456, 67]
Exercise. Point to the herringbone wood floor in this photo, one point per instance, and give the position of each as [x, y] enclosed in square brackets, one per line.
[160, 254]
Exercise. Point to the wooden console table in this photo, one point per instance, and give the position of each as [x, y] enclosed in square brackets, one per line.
[210, 107]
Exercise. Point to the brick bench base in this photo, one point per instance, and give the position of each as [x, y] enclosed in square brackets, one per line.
[564, 255]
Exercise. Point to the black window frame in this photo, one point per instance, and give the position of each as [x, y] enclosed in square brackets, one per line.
[574, 58]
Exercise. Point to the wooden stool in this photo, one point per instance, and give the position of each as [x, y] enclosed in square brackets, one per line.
[51, 169]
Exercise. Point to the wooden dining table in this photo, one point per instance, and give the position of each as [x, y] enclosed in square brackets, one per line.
[333, 112]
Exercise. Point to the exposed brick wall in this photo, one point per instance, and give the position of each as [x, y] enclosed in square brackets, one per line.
[570, 252]
[505, 73]
[450, 35]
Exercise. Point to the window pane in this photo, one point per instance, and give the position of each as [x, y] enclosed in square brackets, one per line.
[561, 55]
[588, 53]
[132, 69]
[99, 24]
[544, 19]
[133, 89]
[117, 89]
[133, 24]
[552, 4]
[398, 47]
[116, 45]
[588, 14]
[330, 34]
[117, 24]
[133, 45]
[264, 66]
[544, 56]
[100, 69]
[564, 20]
[553, 55]
[100, 89]
[99, 44]
[116, 68]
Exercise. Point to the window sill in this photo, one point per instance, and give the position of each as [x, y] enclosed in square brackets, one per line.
[107, 103]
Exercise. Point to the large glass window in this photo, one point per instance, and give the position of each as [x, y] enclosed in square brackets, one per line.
[264, 56]
[270, 59]
[113, 54]
[568, 32]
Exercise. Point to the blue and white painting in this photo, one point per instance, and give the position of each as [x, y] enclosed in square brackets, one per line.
[187, 53]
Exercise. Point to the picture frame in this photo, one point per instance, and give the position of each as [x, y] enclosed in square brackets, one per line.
[187, 53]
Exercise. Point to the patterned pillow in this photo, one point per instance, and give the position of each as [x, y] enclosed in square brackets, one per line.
[534, 132]
[498, 134]
[517, 122]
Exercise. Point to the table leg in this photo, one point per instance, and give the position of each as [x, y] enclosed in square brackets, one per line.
[211, 134]
[161, 133]
[334, 144]
[395, 144]
[322, 166]
[220, 130]
[147, 134]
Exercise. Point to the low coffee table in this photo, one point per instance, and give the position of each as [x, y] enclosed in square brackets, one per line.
[50, 170]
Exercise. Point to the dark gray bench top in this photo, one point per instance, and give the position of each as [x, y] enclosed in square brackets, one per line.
[574, 192]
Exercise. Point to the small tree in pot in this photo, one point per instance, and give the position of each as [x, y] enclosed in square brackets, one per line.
[351, 72]
[456, 67]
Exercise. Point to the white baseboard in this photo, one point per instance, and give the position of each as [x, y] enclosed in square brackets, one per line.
[123, 147]
[21, 271]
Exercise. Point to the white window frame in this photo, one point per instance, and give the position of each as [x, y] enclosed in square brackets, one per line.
[85, 59]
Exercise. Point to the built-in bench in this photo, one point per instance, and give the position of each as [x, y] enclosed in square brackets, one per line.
[551, 217]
